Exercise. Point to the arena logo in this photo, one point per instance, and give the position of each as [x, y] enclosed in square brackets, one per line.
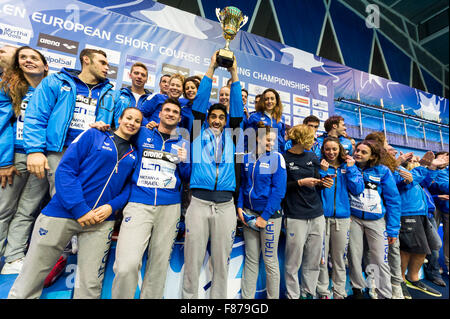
[12, 33]
[112, 72]
[172, 69]
[150, 64]
[56, 43]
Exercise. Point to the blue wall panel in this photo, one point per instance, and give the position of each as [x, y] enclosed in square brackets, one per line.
[355, 39]
[301, 22]
[398, 63]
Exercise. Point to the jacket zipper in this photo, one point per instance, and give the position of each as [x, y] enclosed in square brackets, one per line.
[115, 169]
[253, 181]
[215, 159]
[335, 189]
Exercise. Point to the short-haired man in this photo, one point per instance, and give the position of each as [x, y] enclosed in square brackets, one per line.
[135, 94]
[211, 214]
[335, 127]
[164, 83]
[153, 210]
[6, 57]
[63, 106]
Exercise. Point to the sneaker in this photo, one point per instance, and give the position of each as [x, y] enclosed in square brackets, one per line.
[308, 296]
[56, 272]
[438, 281]
[323, 297]
[405, 291]
[397, 292]
[13, 267]
[419, 285]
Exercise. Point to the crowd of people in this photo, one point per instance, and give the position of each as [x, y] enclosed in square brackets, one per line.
[80, 160]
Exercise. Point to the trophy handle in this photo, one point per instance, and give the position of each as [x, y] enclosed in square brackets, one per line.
[218, 14]
[244, 21]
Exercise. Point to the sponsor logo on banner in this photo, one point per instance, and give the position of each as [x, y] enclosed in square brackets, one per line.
[56, 43]
[301, 111]
[284, 96]
[215, 80]
[150, 64]
[323, 90]
[112, 55]
[288, 119]
[286, 108]
[320, 114]
[58, 61]
[251, 101]
[214, 93]
[301, 100]
[318, 104]
[172, 69]
[12, 33]
[255, 89]
[112, 72]
[297, 120]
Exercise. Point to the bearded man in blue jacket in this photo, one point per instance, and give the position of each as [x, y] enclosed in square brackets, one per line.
[211, 214]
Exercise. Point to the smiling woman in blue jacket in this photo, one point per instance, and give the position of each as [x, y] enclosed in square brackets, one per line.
[20, 192]
[263, 186]
[336, 205]
[376, 215]
[269, 110]
[92, 182]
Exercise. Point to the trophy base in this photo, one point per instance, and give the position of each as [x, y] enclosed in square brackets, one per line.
[225, 58]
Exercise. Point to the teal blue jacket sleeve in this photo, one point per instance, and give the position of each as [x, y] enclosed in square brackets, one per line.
[392, 203]
[6, 131]
[355, 181]
[37, 115]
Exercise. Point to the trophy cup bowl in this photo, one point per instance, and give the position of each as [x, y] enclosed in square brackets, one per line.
[231, 20]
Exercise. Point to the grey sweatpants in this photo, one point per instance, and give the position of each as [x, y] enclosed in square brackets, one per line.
[144, 225]
[53, 159]
[18, 205]
[216, 222]
[375, 231]
[50, 236]
[266, 242]
[335, 243]
[395, 263]
[304, 241]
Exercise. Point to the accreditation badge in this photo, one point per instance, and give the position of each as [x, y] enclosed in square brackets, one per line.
[21, 118]
[368, 201]
[157, 169]
[84, 113]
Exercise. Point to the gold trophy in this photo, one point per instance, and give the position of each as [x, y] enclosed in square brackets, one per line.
[231, 19]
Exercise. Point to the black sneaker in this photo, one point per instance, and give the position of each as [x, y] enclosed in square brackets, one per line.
[419, 285]
[357, 293]
[405, 291]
